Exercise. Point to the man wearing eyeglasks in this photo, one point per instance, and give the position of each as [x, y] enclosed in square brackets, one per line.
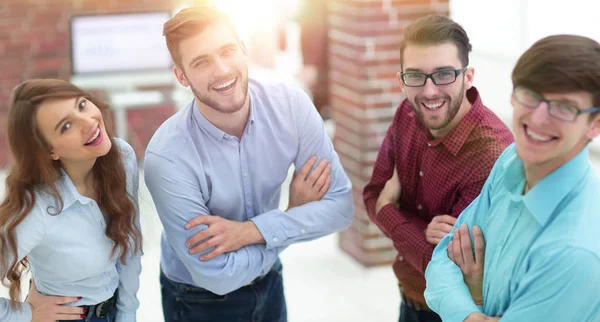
[536, 255]
[436, 155]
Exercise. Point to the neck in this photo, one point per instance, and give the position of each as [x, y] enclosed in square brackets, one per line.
[464, 108]
[230, 123]
[81, 175]
[534, 173]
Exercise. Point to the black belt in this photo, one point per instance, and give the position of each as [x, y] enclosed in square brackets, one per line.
[102, 309]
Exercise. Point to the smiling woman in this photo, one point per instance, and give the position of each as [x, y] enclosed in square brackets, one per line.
[70, 212]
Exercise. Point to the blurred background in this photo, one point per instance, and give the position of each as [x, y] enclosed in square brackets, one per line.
[344, 53]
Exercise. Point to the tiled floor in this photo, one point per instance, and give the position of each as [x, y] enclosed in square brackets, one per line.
[322, 284]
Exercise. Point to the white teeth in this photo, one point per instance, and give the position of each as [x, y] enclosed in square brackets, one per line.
[224, 84]
[537, 137]
[94, 137]
[433, 106]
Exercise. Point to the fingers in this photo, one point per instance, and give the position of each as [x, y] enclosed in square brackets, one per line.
[436, 234]
[451, 251]
[212, 254]
[479, 246]
[458, 257]
[447, 219]
[59, 300]
[201, 220]
[201, 236]
[317, 172]
[465, 245]
[212, 242]
[68, 317]
[303, 173]
[70, 310]
[395, 175]
[325, 188]
[323, 177]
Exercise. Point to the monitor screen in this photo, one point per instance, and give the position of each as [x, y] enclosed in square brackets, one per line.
[119, 43]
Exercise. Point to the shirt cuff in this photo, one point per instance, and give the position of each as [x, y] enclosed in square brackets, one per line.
[268, 225]
[389, 217]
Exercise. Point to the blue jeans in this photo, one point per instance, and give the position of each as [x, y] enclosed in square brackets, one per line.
[407, 314]
[91, 317]
[260, 301]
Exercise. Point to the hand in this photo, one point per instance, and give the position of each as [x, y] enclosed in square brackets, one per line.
[51, 308]
[438, 228]
[480, 317]
[305, 188]
[461, 253]
[390, 193]
[225, 235]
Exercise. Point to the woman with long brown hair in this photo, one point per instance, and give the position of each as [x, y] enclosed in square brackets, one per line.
[70, 213]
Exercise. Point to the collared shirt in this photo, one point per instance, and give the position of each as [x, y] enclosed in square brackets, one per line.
[192, 168]
[69, 253]
[438, 176]
[542, 256]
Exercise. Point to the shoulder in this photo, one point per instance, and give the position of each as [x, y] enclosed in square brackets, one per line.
[172, 136]
[278, 92]
[127, 154]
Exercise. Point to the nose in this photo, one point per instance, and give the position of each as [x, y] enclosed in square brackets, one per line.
[429, 89]
[222, 68]
[540, 116]
[89, 124]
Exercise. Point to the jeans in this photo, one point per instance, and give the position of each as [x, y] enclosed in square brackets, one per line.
[407, 314]
[91, 317]
[260, 301]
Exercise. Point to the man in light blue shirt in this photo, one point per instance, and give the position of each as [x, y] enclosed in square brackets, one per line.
[222, 160]
[538, 210]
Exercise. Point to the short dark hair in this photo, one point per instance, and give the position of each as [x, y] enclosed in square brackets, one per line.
[561, 64]
[434, 30]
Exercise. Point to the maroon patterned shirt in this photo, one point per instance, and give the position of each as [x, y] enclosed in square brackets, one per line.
[438, 176]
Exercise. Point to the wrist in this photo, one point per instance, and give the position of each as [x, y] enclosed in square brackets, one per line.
[253, 235]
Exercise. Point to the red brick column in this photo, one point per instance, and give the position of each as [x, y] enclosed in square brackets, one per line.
[34, 43]
[364, 58]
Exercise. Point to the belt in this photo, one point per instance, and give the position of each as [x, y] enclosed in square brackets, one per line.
[102, 309]
[412, 303]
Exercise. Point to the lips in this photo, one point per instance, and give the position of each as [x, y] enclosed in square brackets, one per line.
[537, 136]
[95, 138]
[433, 106]
[226, 85]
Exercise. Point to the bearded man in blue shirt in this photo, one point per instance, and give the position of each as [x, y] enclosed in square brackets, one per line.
[533, 254]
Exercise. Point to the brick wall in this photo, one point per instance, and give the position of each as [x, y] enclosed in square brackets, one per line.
[34, 43]
[364, 58]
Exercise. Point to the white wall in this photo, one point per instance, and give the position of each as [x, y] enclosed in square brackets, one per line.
[501, 30]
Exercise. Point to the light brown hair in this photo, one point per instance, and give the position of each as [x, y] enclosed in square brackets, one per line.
[33, 169]
[561, 64]
[435, 30]
[189, 22]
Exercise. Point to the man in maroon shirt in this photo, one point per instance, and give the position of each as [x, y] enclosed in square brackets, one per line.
[436, 155]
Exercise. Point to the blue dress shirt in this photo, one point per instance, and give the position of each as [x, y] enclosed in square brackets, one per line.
[192, 168]
[542, 255]
[69, 254]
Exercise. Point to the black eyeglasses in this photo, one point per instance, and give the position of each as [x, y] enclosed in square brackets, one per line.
[557, 109]
[442, 77]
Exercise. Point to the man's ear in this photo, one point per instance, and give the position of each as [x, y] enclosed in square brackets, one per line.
[399, 78]
[594, 130]
[180, 75]
[469, 77]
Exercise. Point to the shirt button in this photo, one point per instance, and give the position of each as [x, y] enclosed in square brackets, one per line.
[419, 207]
[303, 231]
[249, 203]
[400, 258]
[275, 239]
[421, 173]
[428, 144]
[106, 288]
[245, 174]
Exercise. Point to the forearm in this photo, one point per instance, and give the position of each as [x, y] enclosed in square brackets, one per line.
[129, 284]
[446, 292]
[307, 222]
[8, 314]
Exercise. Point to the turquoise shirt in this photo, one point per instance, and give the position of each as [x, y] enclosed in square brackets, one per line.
[542, 255]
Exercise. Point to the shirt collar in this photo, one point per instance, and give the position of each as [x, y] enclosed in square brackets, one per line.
[454, 140]
[213, 130]
[69, 193]
[544, 197]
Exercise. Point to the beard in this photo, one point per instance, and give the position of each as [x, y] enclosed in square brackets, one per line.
[452, 105]
[238, 104]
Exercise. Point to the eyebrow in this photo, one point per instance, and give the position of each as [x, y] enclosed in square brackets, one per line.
[416, 70]
[66, 117]
[197, 58]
